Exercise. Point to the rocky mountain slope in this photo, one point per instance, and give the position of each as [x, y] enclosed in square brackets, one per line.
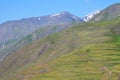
[12, 32]
[36, 35]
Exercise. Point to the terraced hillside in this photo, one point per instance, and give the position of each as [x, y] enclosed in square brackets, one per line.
[88, 51]
[89, 63]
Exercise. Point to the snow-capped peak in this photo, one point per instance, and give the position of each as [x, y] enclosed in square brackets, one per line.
[57, 14]
[90, 16]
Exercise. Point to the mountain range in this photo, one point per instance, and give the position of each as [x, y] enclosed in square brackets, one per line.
[16, 30]
[35, 28]
[62, 47]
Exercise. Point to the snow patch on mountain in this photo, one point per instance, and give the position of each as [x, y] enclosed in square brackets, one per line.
[90, 16]
[58, 14]
[39, 18]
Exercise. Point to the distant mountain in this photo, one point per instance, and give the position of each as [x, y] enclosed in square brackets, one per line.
[109, 13]
[12, 31]
[23, 32]
[90, 16]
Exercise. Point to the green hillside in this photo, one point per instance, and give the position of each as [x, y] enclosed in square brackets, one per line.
[88, 51]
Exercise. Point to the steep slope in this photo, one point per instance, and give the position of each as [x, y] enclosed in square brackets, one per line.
[88, 51]
[38, 34]
[15, 30]
[109, 13]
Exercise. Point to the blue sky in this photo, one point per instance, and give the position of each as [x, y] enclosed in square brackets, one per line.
[17, 9]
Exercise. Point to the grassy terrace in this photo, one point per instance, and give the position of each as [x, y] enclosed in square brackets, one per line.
[93, 62]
